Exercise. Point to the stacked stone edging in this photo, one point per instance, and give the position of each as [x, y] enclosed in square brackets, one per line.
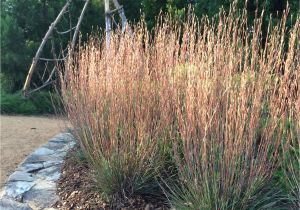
[33, 184]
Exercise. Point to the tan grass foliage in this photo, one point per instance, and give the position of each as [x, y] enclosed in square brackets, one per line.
[214, 89]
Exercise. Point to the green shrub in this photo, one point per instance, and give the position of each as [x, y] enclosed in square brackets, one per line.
[38, 103]
[16, 104]
[6, 84]
[46, 102]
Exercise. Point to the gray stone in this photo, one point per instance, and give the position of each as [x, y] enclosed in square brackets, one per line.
[60, 155]
[52, 173]
[42, 195]
[69, 146]
[29, 167]
[63, 137]
[40, 159]
[20, 176]
[41, 184]
[17, 189]
[57, 141]
[66, 136]
[54, 145]
[42, 151]
[60, 147]
[50, 163]
[8, 204]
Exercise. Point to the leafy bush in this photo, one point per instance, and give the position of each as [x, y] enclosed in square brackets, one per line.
[16, 104]
[216, 93]
[6, 84]
[38, 103]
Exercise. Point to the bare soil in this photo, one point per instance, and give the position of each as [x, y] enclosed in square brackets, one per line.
[21, 135]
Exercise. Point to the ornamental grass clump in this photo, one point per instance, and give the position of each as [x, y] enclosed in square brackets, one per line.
[119, 117]
[231, 119]
[211, 97]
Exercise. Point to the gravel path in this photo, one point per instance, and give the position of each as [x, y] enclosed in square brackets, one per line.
[20, 136]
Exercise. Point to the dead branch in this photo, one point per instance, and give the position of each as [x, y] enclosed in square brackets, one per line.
[40, 49]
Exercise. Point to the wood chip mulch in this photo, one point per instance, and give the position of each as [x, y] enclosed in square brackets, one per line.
[76, 189]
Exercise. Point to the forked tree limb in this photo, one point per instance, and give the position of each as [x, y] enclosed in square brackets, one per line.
[40, 49]
[65, 32]
[108, 24]
[108, 19]
[41, 87]
[121, 14]
[78, 26]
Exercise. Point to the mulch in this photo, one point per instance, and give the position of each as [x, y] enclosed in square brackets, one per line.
[76, 190]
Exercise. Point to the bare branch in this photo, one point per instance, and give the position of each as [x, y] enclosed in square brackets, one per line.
[40, 49]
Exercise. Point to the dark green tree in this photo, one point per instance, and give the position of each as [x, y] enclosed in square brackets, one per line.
[151, 9]
[14, 52]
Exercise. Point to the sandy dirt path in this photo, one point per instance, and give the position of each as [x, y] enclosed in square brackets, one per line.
[20, 136]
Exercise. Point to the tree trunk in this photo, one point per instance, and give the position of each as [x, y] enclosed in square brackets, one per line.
[121, 13]
[107, 22]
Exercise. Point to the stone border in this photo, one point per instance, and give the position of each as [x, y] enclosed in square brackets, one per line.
[33, 184]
